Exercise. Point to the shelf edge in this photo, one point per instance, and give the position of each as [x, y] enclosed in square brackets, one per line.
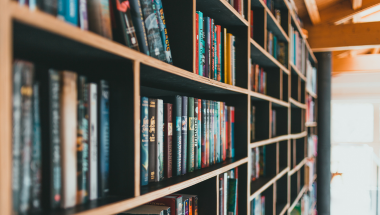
[299, 135]
[297, 71]
[297, 103]
[297, 199]
[298, 167]
[269, 141]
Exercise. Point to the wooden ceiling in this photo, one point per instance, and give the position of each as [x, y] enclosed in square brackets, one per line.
[321, 4]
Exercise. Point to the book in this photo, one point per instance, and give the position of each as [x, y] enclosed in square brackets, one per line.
[233, 61]
[184, 135]
[152, 139]
[219, 53]
[232, 196]
[83, 14]
[232, 131]
[207, 41]
[190, 135]
[173, 201]
[177, 146]
[155, 45]
[159, 140]
[229, 59]
[213, 46]
[201, 44]
[253, 122]
[82, 142]
[93, 140]
[144, 141]
[225, 194]
[196, 128]
[185, 206]
[149, 210]
[211, 133]
[221, 194]
[68, 117]
[99, 17]
[68, 11]
[217, 132]
[199, 137]
[207, 133]
[196, 43]
[48, 6]
[139, 24]
[168, 140]
[203, 132]
[222, 133]
[163, 30]
[225, 54]
[104, 138]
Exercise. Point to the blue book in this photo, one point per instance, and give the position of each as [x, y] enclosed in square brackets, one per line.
[275, 47]
[144, 141]
[68, 11]
[163, 30]
[199, 133]
[104, 135]
[201, 43]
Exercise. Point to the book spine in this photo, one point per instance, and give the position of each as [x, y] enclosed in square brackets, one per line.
[225, 54]
[104, 138]
[179, 206]
[139, 24]
[228, 130]
[215, 54]
[36, 151]
[144, 141]
[221, 54]
[190, 206]
[197, 43]
[232, 195]
[82, 142]
[196, 134]
[203, 130]
[93, 141]
[218, 51]
[232, 131]
[168, 142]
[225, 196]
[199, 141]
[221, 134]
[98, 12]
[212, 66]
[178, 136]
[156, 47]
[160, 140]
[48, 6]
[217, 111]
[206, 37]
[128, 28]
[152, 139]
[184, 134]
[83, 21]
[195, 205]
[68, 137]
[190, 135]
[186, 207]
[71, 12]
[233, 61]
[163, 30]
[201, 43]
[221, 192]
[228, 53]
[211, 133]
[208, 133]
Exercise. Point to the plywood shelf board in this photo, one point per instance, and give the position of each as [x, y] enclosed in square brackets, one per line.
[296, 71]
[260, 96]
[297, 104]
[310, 124]
[269, 141]
[298, 167]
[274, 27]
[299, 135]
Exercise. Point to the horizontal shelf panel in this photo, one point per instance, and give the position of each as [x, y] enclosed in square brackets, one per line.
[311, 93]
[299, 196]
[299, 135]
[282, 209]
[264, 182]
[257, 3]
[222, 12]
[276, 102]
[157, 191]
[275, 28]
[269, 141]
[298, 167]
[296, 71]
[296, 104]
[260, 56]
[310, 124]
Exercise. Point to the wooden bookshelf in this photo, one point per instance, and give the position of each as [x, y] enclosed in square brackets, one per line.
[41, 38]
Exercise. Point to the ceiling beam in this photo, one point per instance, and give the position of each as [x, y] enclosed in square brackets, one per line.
[312, 9]
[328, 37]
[375, 50]
[356, 4]
[358, 63]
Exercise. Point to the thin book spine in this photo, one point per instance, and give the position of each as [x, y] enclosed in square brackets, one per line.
[197, 43]
[184, 134]
[203, 130]
[196, 134]
[201, 43]
[221, 191]
[215, 54]
[160, 141]
[207, 133]
[93, 140]
[144, 141]
[199, 138]
[190, 135]
[211, 133]
[83, 21]
[177, 156]
[168, 142]
[217, 109]
[212, 65]
[152, 139]
[218, 53]
[139, 24]
[163, 31]
[225, 58]
[233, 61]
[206, 37]
[232, 122]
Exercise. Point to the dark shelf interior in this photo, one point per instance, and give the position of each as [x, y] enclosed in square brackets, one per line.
[283, 154]
[261, 119]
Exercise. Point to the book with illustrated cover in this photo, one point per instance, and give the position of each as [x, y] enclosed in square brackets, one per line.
[104, 138]
[199, 137]
[153, 35]
[184, 134]
[144, 141]
[83, 14]
[185, 206]
[163, 31]
[177, 146]
[190, 135]
[93, 140]
[196, 127]
[152, 139]
[82, 142]
[203, 133]
[68, 117]
[168, 140]
[139, 24]
[99, 17]
[159, 140]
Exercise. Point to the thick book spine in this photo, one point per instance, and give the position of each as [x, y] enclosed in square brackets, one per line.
[36, 151]
[232, 196]
[99, 17]
[93, 140]
[208, 133]
[68, 137]
[196, 134]
[168, 141]
[201, 44]
[82, 142]
[127, 27]
[159, 140]
[190, 135]
[206, 30]
[184, 134]
[139, 24]
[104, 138]
[232, 136]
[163, 30]
[211, 133]
[177, 146]
[199, 138]
[217, 132]
[152, 139]
[68, 11]
[203, 135]
[156, 47]
[144, 141]
[197, 43]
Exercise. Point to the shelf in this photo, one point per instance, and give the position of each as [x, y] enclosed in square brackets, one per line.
[274, 27]
[282, 209]
[296, 71]
[296, 104]
[310, 124]
[300, 194]
[264, 182]
[296, 168]
[156, 190]
[260, 56]
[276, 102]
[269, 141]
[299, 135]
[222, 12]
[311, 93]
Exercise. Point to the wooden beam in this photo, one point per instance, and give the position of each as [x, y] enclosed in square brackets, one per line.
[375, 50]
[356, 4]
[358, 63]
[312, 9]
[328, 37]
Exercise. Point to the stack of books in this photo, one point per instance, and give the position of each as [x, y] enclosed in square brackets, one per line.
[276, 48]
[297, 50]
[228, 191]
[215, 51]
[258, 159]
[202, 135]
[138, 24]
[258, 205]
[73, 116]
[238, 5]
[258, 78]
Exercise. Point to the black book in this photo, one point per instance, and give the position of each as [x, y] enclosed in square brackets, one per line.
[184, 135]
[138, 23]
[48, 6]
[177, 132]
[152, 139]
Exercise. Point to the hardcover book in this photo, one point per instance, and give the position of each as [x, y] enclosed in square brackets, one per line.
[195, 133]
[93, 140]
[201, 44]
[68, 11]
[163, 30]
[152, 139]
[203, 132]
[221, 194]
[177, 146]
[208, 133]
[211, 133]
[207, 36]
[48, 6]
[190, 135]
[232, 196]
[212, 50]
[217, 132]
[139, 24]
[219, 53]
[232, 131]
[160, 140]
[172, 201]
[168, 141]
[199, 132]
[99, 17]
[197, 43]
[184, 134]
[68, 117]
[144, 140]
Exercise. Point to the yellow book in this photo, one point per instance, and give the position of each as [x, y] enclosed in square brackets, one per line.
[225, 54]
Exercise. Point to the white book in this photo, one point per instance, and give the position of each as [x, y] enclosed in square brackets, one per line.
[93, 141]
[160, 140]
[225, 196]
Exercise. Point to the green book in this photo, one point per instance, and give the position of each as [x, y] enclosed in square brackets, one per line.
[232, 196]
[190, 135]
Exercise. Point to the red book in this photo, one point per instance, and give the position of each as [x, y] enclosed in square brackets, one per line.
[257, 69]
[197, 44]
[218, 52]
[170, 201]
[237, 5]
[251, 24]
[168, 139]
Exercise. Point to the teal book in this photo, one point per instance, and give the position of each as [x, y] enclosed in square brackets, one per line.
[201, 43]
[207, 133]
[163, 30]
[217, 131]
[144, 141]
[211, 132]
[199, 140]
[190, 135]
[232, 196]
[275, 47]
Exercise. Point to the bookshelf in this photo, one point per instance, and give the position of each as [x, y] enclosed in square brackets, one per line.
[52, 42]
